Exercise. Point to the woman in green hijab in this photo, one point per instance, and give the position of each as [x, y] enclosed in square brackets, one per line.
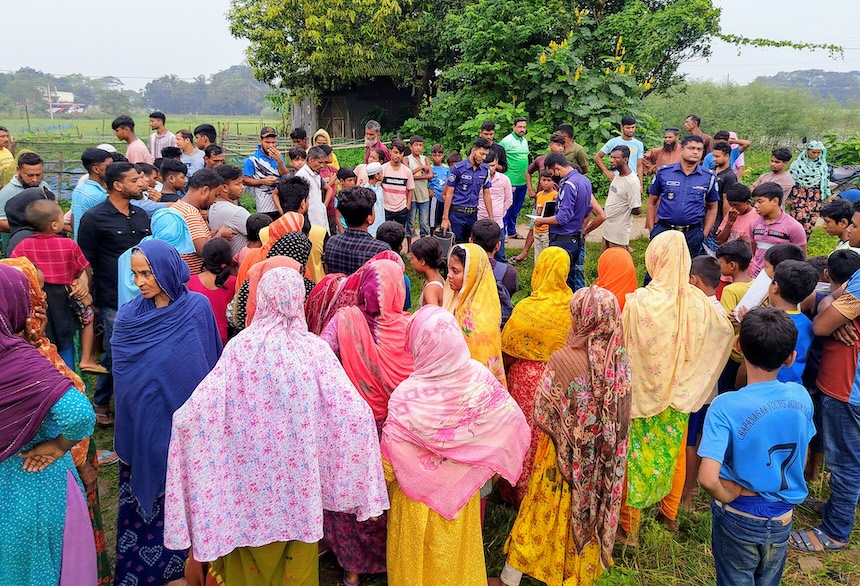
[811, 185]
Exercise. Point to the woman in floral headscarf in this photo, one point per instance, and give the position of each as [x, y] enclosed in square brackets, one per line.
[565, 529]
[538, 326]
[811, 184]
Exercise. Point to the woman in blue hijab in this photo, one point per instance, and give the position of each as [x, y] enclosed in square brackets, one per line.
[165, 341]
[166, 224]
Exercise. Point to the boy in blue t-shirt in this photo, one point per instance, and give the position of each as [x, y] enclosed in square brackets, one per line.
[437, 185]
[753, 454]
[794, 281]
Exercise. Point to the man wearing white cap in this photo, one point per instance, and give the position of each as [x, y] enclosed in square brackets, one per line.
[374, 183]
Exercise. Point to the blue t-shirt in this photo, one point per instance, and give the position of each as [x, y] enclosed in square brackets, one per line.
[759, 434]
[407, 303]
[637, 149]
[708, 161]
[440, 178]
[794, 373]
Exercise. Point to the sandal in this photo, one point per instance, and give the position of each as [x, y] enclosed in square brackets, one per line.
[103, 417]
[98, 369]
[803, 540]
[516, 259]
[106, 457]
[812, 505]
[517, 237]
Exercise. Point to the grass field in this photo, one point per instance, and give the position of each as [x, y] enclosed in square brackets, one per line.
[662, 559]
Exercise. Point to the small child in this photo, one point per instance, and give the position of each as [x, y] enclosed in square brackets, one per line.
[734, 258]
[486, 234]
[174, 179]
[779, 253]
[152, 181]
[67, 274]
[773, 226]
[215, 281]
[705, 274]
[539, 235]
[298, 158]
[753, 455]
[837, 222]
[346, 178]
[373, 171]
[394, 233]
[253, 225]
[437, 185]
[737, 222]
[793, 281]
[428, 260]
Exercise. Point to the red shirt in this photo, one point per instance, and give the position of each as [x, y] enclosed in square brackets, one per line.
[60, 259]
[837, 369]
[218, 298]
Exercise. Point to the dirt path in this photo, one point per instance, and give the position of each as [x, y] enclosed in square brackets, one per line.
[595, 236]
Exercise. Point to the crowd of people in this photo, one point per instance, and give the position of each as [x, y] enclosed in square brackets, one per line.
[272, 398]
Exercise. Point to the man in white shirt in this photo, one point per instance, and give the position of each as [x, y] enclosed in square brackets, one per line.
[161, 137]
[623, 202]
[311, 173]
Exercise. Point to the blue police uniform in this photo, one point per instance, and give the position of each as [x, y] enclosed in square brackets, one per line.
[682, 201]
[469, 184]
[574, 205]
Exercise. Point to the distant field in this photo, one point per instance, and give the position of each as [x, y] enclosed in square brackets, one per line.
[45, 129]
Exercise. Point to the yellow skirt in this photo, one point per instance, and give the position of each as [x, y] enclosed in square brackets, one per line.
[425, 549]
[292, 563]
[540, 544]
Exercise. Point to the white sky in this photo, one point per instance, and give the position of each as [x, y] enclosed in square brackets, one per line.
[191, 37]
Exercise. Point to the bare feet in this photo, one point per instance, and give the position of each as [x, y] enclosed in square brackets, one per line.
[495, 582]
[624, 538]
[687, 502]
[670, 524]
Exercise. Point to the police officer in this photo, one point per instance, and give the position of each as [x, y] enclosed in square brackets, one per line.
[684, 197]
[566, 227]
[468, 180]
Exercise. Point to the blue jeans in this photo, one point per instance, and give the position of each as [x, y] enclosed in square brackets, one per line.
[841, 433]
[510, 227]
[104, 387]
[579, 270]
[747, 552]
[461, 225]
[573, 248]
[422, 210]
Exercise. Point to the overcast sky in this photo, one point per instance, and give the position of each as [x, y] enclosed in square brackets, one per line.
[191, 37]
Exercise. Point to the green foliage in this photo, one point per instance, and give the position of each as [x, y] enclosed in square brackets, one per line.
[233, 91]
[842, 152]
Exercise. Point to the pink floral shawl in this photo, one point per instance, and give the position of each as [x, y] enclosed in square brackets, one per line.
[451, 425]
[272, 436]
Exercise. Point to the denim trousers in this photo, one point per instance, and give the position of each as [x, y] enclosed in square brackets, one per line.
[519, 193]
[841, 422]
[573, 249]
[104, 387]
[422, 210]
[461, 225]
[747, 552]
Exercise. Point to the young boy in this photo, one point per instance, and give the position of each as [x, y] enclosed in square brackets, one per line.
[253, 225]
[704, 275]
[539, 235]
[422, 173]
[152, 181]
[437, 185]
[837, 222]
[486, 233]
[374, 183]
[346, 252]
[174, 179]
[67, 274]
[773, 226]
[345, 178]
[393, 234]
[779, 158]
[753, 453]
[793, 281]
[298, 158]
[398, 184]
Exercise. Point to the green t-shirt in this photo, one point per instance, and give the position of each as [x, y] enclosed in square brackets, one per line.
[517, 149]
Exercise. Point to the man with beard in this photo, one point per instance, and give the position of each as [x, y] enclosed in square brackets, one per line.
[7, 159]
[372, 132]
[28, 174]
[517, 150]
[203, 187]
[623, 201]
[667, 154]
[106, 231]
[628, 129]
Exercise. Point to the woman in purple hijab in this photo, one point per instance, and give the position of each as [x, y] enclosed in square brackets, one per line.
[164, 342]
[45, 531]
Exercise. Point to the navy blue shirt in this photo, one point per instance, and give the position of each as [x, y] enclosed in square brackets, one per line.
[683, 197]
[574, 203]
[468, 183]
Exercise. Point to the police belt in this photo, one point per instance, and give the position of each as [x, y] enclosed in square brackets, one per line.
[565, 237]
[670, 226]
[464, 209]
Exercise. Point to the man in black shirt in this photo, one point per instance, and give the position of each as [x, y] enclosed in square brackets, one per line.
[106, 231]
